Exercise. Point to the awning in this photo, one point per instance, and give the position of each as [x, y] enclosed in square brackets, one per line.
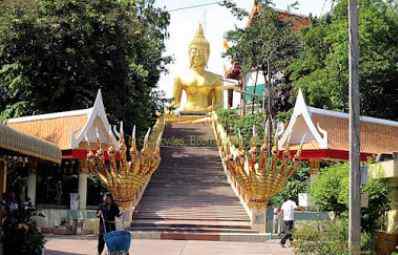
[13, 140]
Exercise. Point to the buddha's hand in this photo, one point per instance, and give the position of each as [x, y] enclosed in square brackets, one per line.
[177, 111]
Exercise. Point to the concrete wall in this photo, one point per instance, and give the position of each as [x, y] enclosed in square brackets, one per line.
[63, 221]
[388, 170]
[300, 217]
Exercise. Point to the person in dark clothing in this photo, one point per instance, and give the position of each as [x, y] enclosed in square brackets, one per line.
[107, 212]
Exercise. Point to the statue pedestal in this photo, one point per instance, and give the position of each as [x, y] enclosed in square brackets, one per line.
[184, 113]
[188, 117]
[258, 220]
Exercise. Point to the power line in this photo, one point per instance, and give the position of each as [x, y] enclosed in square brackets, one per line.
[194, 6]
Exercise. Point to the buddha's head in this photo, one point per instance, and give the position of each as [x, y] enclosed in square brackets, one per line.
[199, 50]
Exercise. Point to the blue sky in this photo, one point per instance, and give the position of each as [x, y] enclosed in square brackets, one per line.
[216, 21]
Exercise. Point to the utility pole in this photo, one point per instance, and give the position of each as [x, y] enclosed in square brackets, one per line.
[354, 132]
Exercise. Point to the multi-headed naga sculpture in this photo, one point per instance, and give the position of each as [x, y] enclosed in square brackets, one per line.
[126, 179]
[256, 175]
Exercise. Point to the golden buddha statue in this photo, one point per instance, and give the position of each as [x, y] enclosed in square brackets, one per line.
[203, 88]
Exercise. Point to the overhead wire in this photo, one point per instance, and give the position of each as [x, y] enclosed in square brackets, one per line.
[194, 6]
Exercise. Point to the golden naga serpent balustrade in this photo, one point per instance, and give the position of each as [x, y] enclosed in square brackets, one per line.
[126, 179]
[256, 176]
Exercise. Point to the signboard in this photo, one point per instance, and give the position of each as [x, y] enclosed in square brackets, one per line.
[364, 200]
[74, 201]
[364, 174]
[304, 200]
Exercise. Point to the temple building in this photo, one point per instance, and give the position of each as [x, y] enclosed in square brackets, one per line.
[21, 156]
[75, 133]
[324, 136]
[325, 133]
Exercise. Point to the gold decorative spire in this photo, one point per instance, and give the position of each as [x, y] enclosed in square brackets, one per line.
[199, 38]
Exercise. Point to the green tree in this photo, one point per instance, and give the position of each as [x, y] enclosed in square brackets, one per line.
[322, 69]
[57, 54]
[296, 184]
[328, 189]
[267, 45]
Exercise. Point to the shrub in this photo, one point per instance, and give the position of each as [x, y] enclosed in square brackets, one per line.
[326, 238]
[307, 239]
[297, 184]
[329, 191]
[328, 188]
[233, 124]
[21, 235]
[321, 238]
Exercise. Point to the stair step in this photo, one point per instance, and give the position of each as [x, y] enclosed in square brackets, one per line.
[189, 195]
[191, 229]
[202, 236]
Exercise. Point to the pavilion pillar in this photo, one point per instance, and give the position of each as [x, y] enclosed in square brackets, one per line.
[83, 174]
[259, 219]
[315, 166]
[230, 98]
[392, 214]
[32, 182]
[392, 221]
[3, 175]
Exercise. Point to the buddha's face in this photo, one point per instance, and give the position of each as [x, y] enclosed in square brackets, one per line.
[198, 56]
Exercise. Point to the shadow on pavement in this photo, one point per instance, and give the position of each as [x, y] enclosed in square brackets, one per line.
[52, 252]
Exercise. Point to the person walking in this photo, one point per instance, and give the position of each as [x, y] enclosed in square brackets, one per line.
[277, 221]
[287, 210]
[107, 212]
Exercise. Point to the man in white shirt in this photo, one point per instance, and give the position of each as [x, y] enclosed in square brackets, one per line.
[287, 209]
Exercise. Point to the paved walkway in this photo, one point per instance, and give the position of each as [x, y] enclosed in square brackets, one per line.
[170, 247]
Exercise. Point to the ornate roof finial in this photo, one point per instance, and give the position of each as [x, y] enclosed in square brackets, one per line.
[199, 38]
[200, 32]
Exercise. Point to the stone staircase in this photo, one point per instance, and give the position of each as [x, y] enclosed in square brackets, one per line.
[189, 197]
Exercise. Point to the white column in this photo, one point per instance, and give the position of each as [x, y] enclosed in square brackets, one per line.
[259, 220]
[3, 175]
[32, 180]
[82, 190]
[83, 173]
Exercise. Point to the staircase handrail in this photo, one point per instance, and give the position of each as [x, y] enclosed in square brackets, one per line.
[126, 180]
[255, 177]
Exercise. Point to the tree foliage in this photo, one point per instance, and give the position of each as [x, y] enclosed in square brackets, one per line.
[57, 54]
[328, 237]
[296, 184]
[267, 45]
[266, 39]
[240, 128]
[322, 69]
[330, 190]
